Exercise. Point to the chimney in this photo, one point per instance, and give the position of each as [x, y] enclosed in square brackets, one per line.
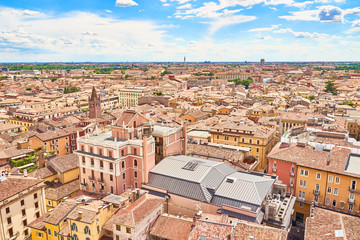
[25, 173]
[80, 214]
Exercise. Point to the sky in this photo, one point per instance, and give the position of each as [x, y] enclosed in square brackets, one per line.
[169, 30]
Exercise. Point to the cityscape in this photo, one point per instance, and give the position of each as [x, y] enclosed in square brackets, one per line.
[180, 120]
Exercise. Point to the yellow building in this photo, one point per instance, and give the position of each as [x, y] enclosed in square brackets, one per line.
[73, 219]
[130, 96]
[26, 124]
[329, 179]
[259, 139]
[22, 201]
[62, 176]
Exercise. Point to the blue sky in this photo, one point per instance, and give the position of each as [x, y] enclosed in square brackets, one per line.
[168, 30]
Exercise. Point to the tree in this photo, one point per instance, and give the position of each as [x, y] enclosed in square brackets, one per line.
[71, 89]
[245, 83]
[127, 76]
[330, 87]
[158, 93]
[166, 72]
[53, 79]
[350, 103]
[311, 97]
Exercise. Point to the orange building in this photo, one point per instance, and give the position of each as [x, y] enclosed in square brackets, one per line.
[62, 141]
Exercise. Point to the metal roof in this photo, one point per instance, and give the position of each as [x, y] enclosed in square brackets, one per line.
[245, 188]
[197, 183]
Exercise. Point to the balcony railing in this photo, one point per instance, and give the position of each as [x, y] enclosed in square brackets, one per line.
[316, 192]
[351, 201]
[353, 190]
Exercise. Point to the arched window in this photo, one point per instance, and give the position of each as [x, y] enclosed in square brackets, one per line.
[75, 237]
[123, 164]
[74, 228]
[135, 163]
[243, 140]
[257, 142]
[87, 230]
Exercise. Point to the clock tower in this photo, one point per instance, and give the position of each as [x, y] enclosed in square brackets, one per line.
[94, 105]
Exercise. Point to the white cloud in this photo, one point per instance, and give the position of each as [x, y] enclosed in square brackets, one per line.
[185, 6]
[166, 4]
[125, 3]
[179, 39]
[108, 11]
[322, 14]
[301, 34]
[229, 20]
[264, 29]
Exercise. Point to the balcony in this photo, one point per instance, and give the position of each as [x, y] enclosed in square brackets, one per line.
[316, 192]
[292, 174]
[353, 190]
[301, 199]
[351, 201]
[100, 180]
[92, 179]
[101, 192]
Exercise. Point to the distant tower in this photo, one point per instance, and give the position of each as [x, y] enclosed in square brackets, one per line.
[94, 105]
[184, 60]
[262, 62]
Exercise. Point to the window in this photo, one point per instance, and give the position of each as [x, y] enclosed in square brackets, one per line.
[122, 153]
[23, 212]
[35, 195]
[92, 162]
[353, 185]
[92, 173]
[306, 173]
[22, 202]
[111, 189]
[274, 166]
[135, 151]
[74, 227]
[250, 141]
[9, 220]
[136, 184]
[123, 176]
[124, 187]
[226, 138]
[329, 190]
[128, 230]
[11, 232]
[7, 210]
[135, 174]
[91, 150]
[123, 164]
[337, 180]
[292, 171]
[336, 191]
[87, 230]
[334, 203]
[111, 178]
[24, 222]
[330, 178]
[76, 237]
[49, 231]
[55, 233]
[118, 228]
[84, 170]
[318, 176]
[242, 140]
[101, 164]
[117, 237]
[217, 136]
[39, 234]
[37, 205]
[100, 152]
[351, 206]
[257, 150]
[258, 142]
[291, 182]
[302, 172]
[135, 163]
[111, 166]
[37, 214]
[317, 187]
[110, 153]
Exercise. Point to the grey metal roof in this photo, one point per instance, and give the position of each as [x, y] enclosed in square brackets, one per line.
[198, 184]
[173, 166]
[246, 188]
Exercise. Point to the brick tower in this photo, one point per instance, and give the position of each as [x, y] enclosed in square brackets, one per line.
[94, 105]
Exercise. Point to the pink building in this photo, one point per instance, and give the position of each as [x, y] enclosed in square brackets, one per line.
[285, 170]
[119, 159]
